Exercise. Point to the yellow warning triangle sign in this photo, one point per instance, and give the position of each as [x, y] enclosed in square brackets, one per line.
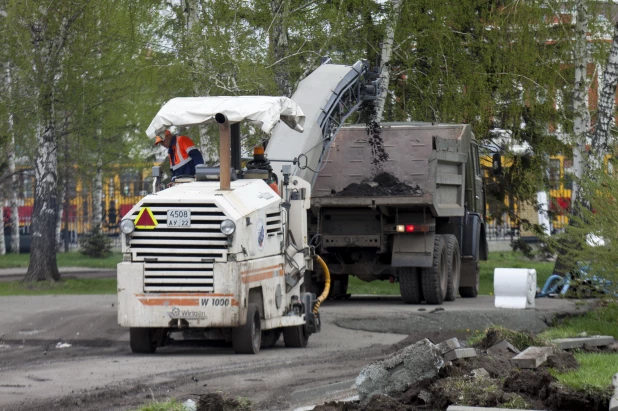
[145, 219]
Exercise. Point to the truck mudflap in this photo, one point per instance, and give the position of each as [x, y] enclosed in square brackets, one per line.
[413, 250]
[470, 246]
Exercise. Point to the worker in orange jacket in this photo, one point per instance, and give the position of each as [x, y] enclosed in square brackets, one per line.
[183, 154]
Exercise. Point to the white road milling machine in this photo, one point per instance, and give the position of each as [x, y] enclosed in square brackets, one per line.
[219, 257]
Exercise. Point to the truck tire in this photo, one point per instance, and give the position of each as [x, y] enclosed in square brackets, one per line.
[270, 337]
[435, 278]
[247, 339]
[470, 292]
[453, 266]
[410, 285]
[142, 340]
[295, 337]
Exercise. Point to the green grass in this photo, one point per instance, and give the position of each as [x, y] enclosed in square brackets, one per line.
[486, 282]
[71, 259]
[511, 260]
[601, 321]
[68, 286]
[595, 372]
[170, 405]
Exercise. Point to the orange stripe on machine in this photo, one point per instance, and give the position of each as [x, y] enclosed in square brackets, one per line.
[263, 275]
[180, 302]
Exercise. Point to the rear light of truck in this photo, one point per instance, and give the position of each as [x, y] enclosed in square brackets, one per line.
[412, 228]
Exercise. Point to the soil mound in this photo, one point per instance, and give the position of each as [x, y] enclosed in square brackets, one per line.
[384, 184]
[489, 380]
[216, 402]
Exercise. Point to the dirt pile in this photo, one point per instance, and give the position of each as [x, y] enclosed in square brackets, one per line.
[216, 402]
[384, 184]
[488, 380]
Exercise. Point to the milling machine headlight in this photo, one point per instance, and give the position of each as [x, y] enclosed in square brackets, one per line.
[127, 226]
[228, 227]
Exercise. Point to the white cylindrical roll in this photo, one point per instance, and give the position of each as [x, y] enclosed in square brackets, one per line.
[514, 287]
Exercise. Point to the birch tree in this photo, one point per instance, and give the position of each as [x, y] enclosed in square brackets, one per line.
[581, 120]
[602, 141]
[385, 57]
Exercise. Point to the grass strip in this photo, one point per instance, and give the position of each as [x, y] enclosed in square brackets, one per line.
[486, 281]
[595, 372]
[67, 286]
[601, 321]
[70, 259]
[170, 405]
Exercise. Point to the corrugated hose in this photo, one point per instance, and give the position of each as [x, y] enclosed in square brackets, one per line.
[324, 294]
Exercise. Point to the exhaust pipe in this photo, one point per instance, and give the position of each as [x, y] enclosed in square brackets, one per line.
[224, 151]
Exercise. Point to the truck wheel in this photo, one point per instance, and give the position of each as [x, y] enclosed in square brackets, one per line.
[247, 339]
[142, 340]
[453, 266]
[270, 337]
[467, 266]
[435, 278]
[295, 337]
[410, 285]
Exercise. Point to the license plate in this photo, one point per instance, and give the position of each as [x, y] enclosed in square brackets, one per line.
[178, 217]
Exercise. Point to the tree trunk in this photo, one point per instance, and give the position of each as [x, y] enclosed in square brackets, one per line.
[602, 141]
[279, 41]
[385, 58]
[11, 165]
[581, 124]
[43, 265]
[97, 196]
[2, 243]
[59, 215]
[581, 121]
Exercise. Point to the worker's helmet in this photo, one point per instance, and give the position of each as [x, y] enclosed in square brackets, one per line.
[171, 130]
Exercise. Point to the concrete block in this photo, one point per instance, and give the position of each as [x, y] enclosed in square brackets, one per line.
[503, 345]
[466, 408]
[459, 353]
[394, 374]
[532, 357]
[594, 341]
[448, 345]
[514, 287]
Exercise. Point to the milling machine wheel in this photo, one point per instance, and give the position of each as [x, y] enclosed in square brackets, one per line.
[142, 340]
[247, 338]
[295, 337]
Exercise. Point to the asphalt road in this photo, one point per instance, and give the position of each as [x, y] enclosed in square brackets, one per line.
[98, 371]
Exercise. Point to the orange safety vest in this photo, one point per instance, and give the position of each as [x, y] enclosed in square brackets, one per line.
[179, 152]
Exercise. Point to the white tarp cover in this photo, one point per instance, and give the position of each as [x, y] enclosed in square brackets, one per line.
[262, 111]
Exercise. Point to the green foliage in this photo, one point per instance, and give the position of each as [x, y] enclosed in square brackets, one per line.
[95, 244]
[71, 286]
[592, 236]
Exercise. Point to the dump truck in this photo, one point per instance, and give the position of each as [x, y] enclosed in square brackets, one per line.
[401, 202]
[217, 256]
[404, 203]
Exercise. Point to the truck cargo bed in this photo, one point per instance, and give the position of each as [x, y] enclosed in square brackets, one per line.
[430, 159]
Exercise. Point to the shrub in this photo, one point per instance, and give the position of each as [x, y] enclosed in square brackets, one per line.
[95, 244]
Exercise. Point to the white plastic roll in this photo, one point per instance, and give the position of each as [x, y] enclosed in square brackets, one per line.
[514, 287]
